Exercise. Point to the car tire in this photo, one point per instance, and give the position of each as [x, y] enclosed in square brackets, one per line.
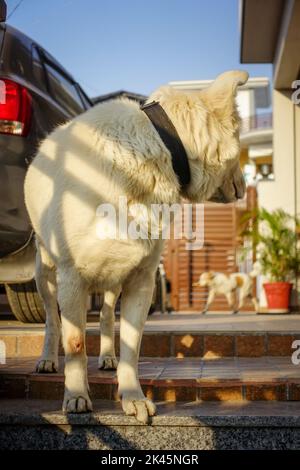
[161, 294]
[159, 299]
[25, 302]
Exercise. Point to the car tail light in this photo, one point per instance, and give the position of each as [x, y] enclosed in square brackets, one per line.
[15, 108]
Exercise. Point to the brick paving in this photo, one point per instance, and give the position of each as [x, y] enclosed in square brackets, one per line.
[184, 357]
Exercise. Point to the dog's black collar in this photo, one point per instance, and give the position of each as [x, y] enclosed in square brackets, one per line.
[171, 139]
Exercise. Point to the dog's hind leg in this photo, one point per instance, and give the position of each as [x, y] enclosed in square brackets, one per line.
[242, 298]
[46, 284]
[255, 303]
[72, 294]
[135, 303]
[230, 299]
[107, 358]
[241, 303]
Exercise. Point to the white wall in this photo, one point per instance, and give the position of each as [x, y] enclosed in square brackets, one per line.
[281, 191]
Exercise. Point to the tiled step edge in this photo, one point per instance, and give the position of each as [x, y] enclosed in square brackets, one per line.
[208, 345]
[34, 386]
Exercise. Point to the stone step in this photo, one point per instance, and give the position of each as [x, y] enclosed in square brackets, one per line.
[39, 424]
[169, 379]
[179, 335]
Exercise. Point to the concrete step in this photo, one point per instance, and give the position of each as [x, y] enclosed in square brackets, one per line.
[180, 335]
[169, 379]
[39, 424]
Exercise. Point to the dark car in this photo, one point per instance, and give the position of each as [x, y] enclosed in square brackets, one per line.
[36, 94]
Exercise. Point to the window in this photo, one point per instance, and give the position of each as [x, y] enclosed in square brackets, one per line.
[86, 101]
[64, 90]
[38, 69]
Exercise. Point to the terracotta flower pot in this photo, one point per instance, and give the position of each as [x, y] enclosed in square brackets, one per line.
[278, 295]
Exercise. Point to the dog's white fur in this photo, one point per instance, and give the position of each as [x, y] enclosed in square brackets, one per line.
[228, 285]
[110, 151]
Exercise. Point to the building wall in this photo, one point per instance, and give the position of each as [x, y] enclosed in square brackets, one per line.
[282, 191]
[246, 103]
[297, 153]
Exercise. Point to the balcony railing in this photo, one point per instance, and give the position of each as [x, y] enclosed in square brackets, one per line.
[256, 122]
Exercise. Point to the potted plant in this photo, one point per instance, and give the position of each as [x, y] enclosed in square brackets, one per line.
[275, 241]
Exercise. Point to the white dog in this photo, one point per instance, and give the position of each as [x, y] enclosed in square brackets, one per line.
[110, 151]
[219, 283]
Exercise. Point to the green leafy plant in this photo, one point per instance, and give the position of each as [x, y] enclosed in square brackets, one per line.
[274, 237]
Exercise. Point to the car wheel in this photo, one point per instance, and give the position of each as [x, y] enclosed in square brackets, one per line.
[161, 294]
[25, 302]
[159, 298]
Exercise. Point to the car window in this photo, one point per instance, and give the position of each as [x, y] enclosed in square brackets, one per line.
[86, 101]
[63, 90]
[38, 69]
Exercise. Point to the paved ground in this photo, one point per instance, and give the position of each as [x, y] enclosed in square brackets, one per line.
[225, 322]
[207, 426]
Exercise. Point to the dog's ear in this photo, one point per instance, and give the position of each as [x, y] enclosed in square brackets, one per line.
[226, 84]
[220, 95]
[211, 275]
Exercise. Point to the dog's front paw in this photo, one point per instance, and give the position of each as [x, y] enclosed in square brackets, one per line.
[77, 404]
[45, 366]
[107, 362]
[140, 407]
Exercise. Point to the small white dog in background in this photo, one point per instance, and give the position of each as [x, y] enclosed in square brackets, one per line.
[228, 285]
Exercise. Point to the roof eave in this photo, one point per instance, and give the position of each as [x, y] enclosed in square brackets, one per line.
[259, 27]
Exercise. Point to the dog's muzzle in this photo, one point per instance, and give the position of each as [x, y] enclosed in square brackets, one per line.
[222, 197]
[231, 190]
